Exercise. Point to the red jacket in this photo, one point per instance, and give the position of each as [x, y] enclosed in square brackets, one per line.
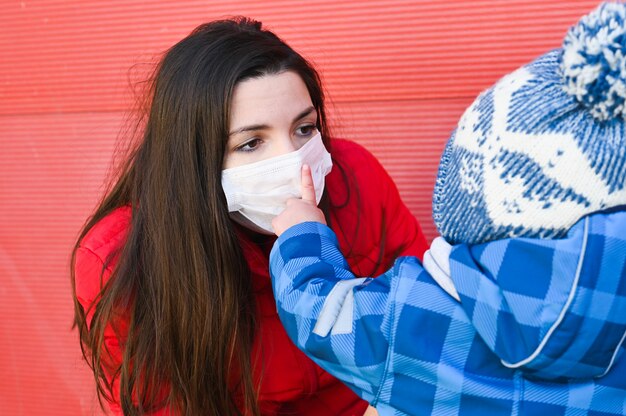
[373, 226]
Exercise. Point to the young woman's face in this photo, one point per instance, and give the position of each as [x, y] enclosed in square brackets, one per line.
[270, 116]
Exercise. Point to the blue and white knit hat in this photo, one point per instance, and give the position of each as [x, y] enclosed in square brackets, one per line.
[543, 147]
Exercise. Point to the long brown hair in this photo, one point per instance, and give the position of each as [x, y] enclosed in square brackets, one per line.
[181, 278]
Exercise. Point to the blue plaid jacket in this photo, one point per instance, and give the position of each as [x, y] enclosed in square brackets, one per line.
[539, 329]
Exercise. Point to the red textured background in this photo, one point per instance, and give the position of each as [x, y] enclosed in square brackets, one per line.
[399, 74]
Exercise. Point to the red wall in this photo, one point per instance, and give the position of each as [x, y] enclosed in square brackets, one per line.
[399, 74]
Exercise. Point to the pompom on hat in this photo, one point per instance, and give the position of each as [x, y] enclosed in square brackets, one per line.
[545, 145]
[594, 65]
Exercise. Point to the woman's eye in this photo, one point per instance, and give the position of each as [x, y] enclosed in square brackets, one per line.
[249, 146]
[307, 130]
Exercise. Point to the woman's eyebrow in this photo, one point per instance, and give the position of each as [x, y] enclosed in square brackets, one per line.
[255, 127]
[249, 128]
[304, 113]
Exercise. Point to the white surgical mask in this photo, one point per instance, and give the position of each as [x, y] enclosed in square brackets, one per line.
[259, 191]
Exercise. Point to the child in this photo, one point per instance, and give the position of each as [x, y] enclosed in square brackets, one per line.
[526, 313]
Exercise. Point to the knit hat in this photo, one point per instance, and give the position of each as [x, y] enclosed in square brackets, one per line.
[545, 145]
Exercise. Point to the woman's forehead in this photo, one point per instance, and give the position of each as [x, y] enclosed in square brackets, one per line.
[269, 99]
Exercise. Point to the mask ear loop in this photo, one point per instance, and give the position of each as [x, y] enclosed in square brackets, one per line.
[320, 162]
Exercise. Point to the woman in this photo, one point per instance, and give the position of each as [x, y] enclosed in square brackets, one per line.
[173, 300]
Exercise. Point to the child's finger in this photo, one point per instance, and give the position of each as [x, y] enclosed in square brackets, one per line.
[307, 187]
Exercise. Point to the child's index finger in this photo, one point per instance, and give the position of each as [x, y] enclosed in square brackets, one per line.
[307, 187]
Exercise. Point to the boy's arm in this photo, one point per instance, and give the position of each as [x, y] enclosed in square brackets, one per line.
[340, 321]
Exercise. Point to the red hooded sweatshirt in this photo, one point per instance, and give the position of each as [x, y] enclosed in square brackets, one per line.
[373, 227]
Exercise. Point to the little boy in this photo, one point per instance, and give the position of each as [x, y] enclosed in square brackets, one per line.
[525, 314]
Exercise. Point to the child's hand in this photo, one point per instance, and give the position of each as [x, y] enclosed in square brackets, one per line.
[300, 210]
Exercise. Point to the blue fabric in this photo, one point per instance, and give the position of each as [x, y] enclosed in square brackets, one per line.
[553, 309]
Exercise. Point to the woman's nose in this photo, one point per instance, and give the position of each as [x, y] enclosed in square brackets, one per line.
[286, 145]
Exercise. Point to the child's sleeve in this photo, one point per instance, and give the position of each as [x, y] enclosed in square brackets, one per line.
[340, 321]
